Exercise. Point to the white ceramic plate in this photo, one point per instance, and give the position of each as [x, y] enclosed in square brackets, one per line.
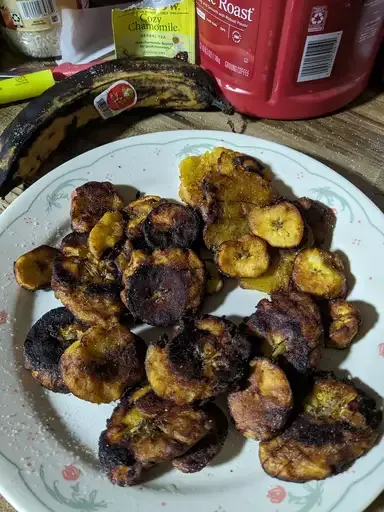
[48, 441]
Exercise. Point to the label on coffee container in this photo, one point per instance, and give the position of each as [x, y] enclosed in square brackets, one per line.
[224, 20]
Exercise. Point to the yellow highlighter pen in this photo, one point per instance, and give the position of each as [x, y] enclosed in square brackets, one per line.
[25, 86]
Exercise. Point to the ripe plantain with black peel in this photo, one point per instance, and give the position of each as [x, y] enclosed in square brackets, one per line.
[160, 84]
[46, 342]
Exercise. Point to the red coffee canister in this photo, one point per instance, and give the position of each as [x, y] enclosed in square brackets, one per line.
[289, 59]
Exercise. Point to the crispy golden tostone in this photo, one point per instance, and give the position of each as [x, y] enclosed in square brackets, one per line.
[260, 409]
[145, 430]
[338, 425]
[103, 364]
[206, 357]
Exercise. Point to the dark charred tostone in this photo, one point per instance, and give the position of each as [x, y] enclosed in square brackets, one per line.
[44, 346]
[205, 450]
[158, 295]
[291, 324]
[75, 244]
[171, 225]
[249, 163]
[118, 462]
[320, 219]
[186, 352]
[206, 356]
[90, 202]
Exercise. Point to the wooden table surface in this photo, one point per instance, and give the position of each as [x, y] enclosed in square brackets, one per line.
[350, 141]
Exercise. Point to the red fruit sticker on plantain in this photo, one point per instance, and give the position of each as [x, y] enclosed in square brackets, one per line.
[118, 97]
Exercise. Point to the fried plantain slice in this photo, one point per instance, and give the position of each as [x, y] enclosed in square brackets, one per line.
[291, 324]
[145, 430]
[90, 289]
[45, 343]
[260, 410]
[320, 273]
[33, 270]
[222, 175]
[206, 357]
[214, 282]
[123, 259]
[107, 233]
[75, 244]
[162, 287]
[103, 364]
[208, 447]
[136, 213]
[193, 169]
[320, 218]
[230, 222]
[246, 257]
[230, 161]
[171, 225]
[338, 425]
[281, 224]
[240, 185]
[90, 202]
[278, 275]
[344, 325]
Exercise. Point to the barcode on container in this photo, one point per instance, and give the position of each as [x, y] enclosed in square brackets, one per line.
[37, 9]
[319, 56]
[103, 108]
